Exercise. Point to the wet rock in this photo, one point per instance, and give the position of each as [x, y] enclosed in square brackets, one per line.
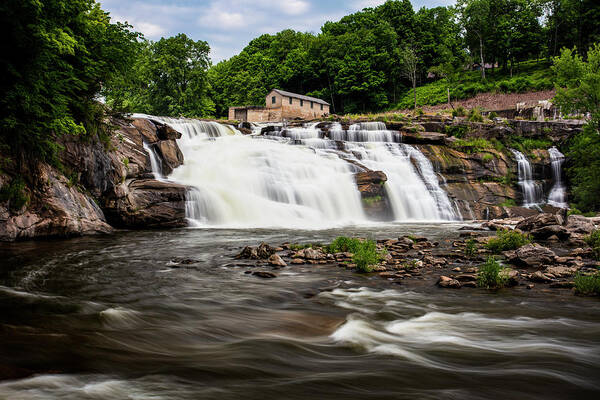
[549, 231]
[147, 129]
[184, 261]
[540, 277]
[165, 132]
[264, 251]
[530, 286]
[448, 283]
[513, 277]
[264, 274]
[561, 272]
[171, 155]
[531, 255]
[297, 261]
[313, 254]
[248, 252]
[466, 278]
[277, 261]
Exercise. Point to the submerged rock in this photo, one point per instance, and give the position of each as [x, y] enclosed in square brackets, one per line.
[264, 274]
[449, 283]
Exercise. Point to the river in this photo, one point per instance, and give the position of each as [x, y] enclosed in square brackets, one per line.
[110, 317]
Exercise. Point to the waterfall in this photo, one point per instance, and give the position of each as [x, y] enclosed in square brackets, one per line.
[245, 181]
[155, 161]
[362, 132]
[557, 196]
[414, 192]
[531, 190]
[299, 177]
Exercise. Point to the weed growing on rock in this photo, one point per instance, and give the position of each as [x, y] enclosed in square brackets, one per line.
[507, 240]
[594, 241]
[471, 248]
[343, 244]
[587, 284]
[366, 256]
[491, 275]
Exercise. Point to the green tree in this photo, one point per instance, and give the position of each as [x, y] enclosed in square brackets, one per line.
[55, 57]
[578, 90]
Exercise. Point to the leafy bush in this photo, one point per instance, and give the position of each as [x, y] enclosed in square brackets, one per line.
[587, 284]
[475, 145]
[487, 157]
[343, 244]
[583, 168]
[475, 115]
[492, 275]
[471, 248]
[492, 115]
[594, 241]
[459, 112]
[458, 131]
[15, 194]
[366, 256]
[507, 240]
[296, 246]
[508, 203]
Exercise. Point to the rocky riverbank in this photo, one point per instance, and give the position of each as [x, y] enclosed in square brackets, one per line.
[557, 253]
[99, 186]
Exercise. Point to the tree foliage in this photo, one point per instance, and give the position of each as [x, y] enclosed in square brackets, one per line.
[578, 90]
[54, 59]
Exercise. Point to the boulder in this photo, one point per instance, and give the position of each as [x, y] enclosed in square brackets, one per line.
[165, 132]
[561, 272]
[147, 129]
[549, 231]
[147, 203]
[265, 251]
[540, 221]
[264, 274]
[448, 283]
[531, 255]
[580, 224]
[171, 155]
[276, 261]
[314, 254]
[540, 277]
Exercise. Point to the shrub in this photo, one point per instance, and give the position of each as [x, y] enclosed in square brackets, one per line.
[343, 244]
[594, 241]
[587, 284]
[459, 112]
[492, 275]
[458, 131]
[475, 145]
[492, 115]
[366, 255]
[15, 194]
[419, 111]
[508, 203]
[507, 240]
[471, 248]
[475, 115]
[487, 157]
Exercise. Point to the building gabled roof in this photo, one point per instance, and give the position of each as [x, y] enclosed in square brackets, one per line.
[299, 96]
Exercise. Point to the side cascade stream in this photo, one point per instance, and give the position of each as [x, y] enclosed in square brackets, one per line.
[557, 196]
[531, 190]
[300, 177]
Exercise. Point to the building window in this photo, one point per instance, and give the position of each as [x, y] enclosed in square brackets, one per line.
[312, 104]
[291, 100]
[321, 107]
[273, 99]
[301, 103]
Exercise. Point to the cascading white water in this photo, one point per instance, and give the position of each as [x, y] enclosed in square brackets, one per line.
[254, 182]
[363, 132]
[557, 196]
[155, 161]
[409, 194]
[531, 190]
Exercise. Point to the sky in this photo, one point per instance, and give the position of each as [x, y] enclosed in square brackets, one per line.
[228, 25]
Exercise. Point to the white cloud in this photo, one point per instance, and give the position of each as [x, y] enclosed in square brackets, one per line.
[360, 4]
[149, 29]
[294, 7]
[223, 19]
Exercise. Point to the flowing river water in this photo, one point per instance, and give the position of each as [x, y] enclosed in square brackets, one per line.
[111, 317]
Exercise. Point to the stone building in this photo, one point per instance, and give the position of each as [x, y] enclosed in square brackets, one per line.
[280, 106]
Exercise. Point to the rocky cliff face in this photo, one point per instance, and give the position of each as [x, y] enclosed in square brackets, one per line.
[102, 185]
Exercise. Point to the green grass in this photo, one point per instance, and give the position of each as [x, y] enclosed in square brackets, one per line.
[528, 76]
[594, 241]
[297, 246]
[487, 157]
[526, 145]
[587, 284]
[507, 240]
[491, 275]
[343, 244]
[474, 145]
[458, 131]
[508, 203]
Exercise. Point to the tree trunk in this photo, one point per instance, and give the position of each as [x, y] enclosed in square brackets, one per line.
[482, 65]
[415, 90]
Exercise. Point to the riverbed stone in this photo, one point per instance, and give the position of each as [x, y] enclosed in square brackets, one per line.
[531, 255]
[277, 261]
[448, 283]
